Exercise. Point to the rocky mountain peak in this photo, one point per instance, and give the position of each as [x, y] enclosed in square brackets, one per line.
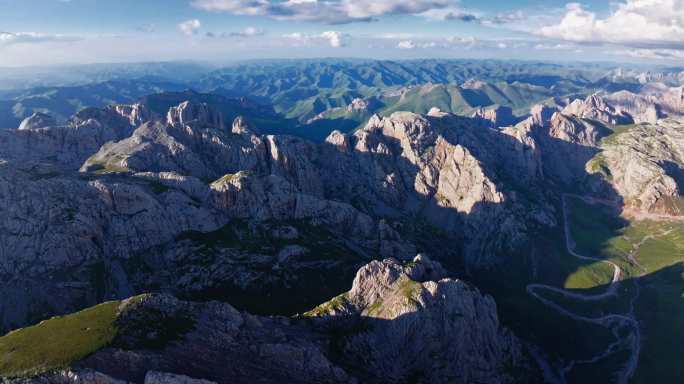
[339, 140]
[357, 104]
[424, 320]
[135, 113]
[195, 113]
[407, 127]
[37, 120]
[595, 107]
[378, 279]
[541, 114]
[498, 116]
[242, 126]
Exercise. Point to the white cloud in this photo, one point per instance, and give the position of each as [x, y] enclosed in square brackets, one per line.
[554, 46]
[445, 43]
[640, 23]
[406, 44]
[190, 27]
[451, 13]
[325, 11]
[335, 39]
[7, 38]
[245, 33]
[249, 32]
[394, 36]
[507, 18]
[652, 54]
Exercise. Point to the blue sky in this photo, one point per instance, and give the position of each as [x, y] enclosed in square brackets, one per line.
[44, 32]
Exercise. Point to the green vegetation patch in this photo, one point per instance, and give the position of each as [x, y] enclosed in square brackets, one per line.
[57, 342]
[651, 255]
[592, 226]
[409, 288]
[230, 177]
[617, 130]
[598, 164]
[590, 276]
[374, 309]
[336, 303]
[103, 169]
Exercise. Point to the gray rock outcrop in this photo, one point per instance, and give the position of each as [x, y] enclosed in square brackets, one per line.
[37, 120]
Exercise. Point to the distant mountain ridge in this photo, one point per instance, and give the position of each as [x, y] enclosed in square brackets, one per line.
[320, 91]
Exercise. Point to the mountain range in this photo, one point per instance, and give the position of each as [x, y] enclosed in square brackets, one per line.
[345, 222]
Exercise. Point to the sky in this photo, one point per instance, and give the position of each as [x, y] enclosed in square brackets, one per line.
[51, 32]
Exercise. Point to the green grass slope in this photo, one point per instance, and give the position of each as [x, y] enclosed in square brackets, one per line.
[57, 342]
[651, 255]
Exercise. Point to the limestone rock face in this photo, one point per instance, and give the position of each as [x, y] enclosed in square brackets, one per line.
[421, 324]
[499, 116]
[135, 197]
[339, 140]
[57, 222]
[669, 101]
[37, 120]
[569, 129]
[136, 113]
[38, 139]
[565, 143]
[145, 197]
[645, 164]
[595, 107]
[439, 167]
[640, 107]
[540, 115]
[187, 143]
[194, 113]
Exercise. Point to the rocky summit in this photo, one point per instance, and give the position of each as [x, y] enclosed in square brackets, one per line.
[414, 311]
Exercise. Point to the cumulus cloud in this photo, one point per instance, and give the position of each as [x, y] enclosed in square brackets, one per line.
[406, 44]
[652, 54]
[445, 43]
[335, 39]
[395, 35]
[189, 27]
[8, 38]
[245, 33]
[325, 11]
[248, 32]
[558, 46]
[451, 13]
[639, 23]
[506, 18]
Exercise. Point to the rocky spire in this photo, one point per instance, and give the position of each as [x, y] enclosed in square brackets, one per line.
[37, 120]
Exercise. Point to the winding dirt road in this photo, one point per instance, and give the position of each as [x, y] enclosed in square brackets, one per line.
[612, 321]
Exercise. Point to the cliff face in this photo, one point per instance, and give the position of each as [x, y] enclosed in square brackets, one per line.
[415, 318]
[645, 165]
[399, 323]
[156, 189]
[121, 201]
